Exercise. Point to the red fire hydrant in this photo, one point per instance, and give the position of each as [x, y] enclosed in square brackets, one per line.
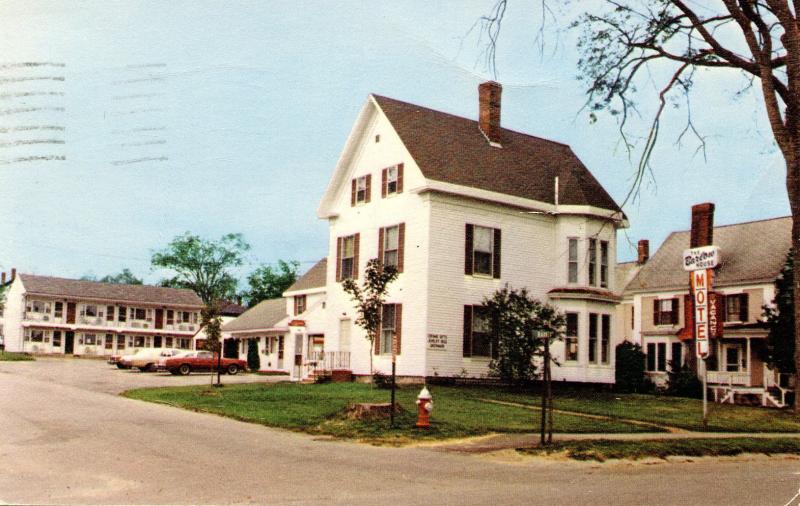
[425, 406]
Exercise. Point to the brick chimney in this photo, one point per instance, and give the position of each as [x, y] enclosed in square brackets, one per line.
[13, 274]
[702, 225]
[644, 251]
[3, 278]
[489, 102]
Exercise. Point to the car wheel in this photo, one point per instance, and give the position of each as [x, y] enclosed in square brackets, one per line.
[120, 366]
[173, 371]
[233, 369]
[146, 368]
[185, 369]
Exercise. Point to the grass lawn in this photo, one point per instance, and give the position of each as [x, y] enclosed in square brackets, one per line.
[7, 356]
[604, 449]
[673, 411]
[317, 409]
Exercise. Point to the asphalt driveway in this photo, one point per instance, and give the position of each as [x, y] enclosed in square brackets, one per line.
[66, 439]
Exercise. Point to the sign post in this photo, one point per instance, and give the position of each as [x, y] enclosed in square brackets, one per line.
[700, 263]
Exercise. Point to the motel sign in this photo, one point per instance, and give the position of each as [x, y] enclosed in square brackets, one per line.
[700, 262]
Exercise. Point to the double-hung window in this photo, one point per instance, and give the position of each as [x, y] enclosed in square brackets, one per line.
[478, 339]
[360, 190]
[665, 311]
[482, 251]
[347, 254]
[736, 307]
[572, 261]
[58, 310]
[656, 357]
[387, 329]
[571, 338]
[604, 264]
[593, 338]
[122, 314]
[299, 304]
[390, 245]
[605, 339]
[593, 262]
[392, 180]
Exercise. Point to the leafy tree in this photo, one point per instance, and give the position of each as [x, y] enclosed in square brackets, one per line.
[629, 376]
[253, 358]
[518, 322]
[211, 324]
[202, 265]
[126, 277]
[780, 320]
[369, 298]
[268, 283]
[656, 47]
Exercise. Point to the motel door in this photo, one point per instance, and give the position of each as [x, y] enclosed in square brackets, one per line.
[297, 370]
[69, 342]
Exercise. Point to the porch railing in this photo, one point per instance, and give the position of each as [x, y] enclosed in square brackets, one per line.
[330, 360]
[729, 378]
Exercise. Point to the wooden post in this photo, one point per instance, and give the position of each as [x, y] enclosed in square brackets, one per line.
[394, 385]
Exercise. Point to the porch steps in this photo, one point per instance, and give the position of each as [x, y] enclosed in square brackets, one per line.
[773, 397]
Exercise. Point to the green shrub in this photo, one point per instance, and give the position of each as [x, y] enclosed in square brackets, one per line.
[253, 359]
[381, 380]
[629, 374]
[683, 382]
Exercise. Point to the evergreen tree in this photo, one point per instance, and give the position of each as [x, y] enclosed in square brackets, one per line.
[780, 319]
[253, 359]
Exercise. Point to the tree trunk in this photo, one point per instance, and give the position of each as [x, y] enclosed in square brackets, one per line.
[792, 173]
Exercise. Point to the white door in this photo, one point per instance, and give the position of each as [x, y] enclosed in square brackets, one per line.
[297, 370]
[344, 335]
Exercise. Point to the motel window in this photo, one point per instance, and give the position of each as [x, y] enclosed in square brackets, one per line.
[122, 313]
[677, 356]
[665, 311]
[482, 251]
[120, 342]
[605, 339]
[360, 190]
[38, 306]
[58, 309]
[736, 307]
[168, 341]
[37, 336]
[592, 261]
[478, 340]
[170, 317]
[89, 339]
[57, 338]
[592, 338]
[571, 337]
[299, 304]
[138, 341]
[109, 341]
[656, 357]
[604, 264]
[185, 317]
[89, 310]
[280, 347]
[138, 314]
[390, 247]
[572, 263]
[110, 313]
[184, 343]
[347, 265]
[387, 329]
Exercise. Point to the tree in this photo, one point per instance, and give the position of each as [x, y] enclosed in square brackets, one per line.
[780, 320]
[125, 277]
[202, 265]
[253, 358]
[211, 323]
[629, 373]
[518, 322]
[268, 283]
[630, 46]
[369, 299]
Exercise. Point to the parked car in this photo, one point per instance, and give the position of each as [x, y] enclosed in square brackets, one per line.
[203, 361]
[146, 359]
[161, 365]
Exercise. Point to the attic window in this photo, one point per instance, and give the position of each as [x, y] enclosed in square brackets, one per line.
[377, 137]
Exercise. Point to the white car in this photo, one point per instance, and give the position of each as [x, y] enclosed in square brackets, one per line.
[162, 360]
[146, 359]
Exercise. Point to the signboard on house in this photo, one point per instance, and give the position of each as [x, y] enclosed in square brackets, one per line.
[437, 342]
[704, 257]
[706, 304]
[700, 279]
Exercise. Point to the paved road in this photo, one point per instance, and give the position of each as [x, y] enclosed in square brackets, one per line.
[65, 439]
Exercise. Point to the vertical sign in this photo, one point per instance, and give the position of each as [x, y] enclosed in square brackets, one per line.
[700, 282]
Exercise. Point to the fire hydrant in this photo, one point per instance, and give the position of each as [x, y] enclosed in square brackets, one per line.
[425, 404]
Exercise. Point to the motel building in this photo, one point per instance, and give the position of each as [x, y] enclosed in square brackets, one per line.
[656, 309]
[50, 315]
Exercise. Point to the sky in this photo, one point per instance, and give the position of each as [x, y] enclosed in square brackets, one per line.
[146, 119]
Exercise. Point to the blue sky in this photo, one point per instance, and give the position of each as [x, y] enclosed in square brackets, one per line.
[219, 117]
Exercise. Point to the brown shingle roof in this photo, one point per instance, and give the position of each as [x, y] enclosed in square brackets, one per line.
[264, 315]
[750, 252]
[452, 149]
[315, 277]
[80, 289]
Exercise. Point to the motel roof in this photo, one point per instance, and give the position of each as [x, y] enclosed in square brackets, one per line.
[263, 316]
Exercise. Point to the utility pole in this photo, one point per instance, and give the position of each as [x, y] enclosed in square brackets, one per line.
[546, 436]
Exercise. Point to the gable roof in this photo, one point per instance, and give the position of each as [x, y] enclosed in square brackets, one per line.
[264, 315]
[624, 273]
[751, 252]
[82, 289]
[452, 149]
[315, 277]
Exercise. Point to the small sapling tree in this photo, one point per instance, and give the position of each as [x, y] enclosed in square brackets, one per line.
[212, 326]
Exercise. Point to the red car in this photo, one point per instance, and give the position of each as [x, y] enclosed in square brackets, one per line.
[203, 361]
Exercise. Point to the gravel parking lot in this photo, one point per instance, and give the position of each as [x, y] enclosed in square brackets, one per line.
[98, 376]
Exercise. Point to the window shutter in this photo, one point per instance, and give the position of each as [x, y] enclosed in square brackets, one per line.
[496, 261]
[383, 183]
[675, 311]
[369, 188]
[352, 193]
[399, 178]
[467, 331]
[468, 250]
[724, 306]
[401, 246]
[398, 326]
[381, 232]
[743, 303]
[355, 255]
[338, 259]
[295, 305]
[377, 343]
[656, 314]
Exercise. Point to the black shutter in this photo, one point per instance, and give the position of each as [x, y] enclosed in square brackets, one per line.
[656, 314]
[468, 250]
[675, 311]
[743, 303]
[496, 260]
[467, 330]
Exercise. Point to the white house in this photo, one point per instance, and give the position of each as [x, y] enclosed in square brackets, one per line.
[462, 208]
[45, 314]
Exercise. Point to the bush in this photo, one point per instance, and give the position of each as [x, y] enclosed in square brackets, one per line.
[629, 374]
[253, 359]
[381, 380]
[684, 382]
